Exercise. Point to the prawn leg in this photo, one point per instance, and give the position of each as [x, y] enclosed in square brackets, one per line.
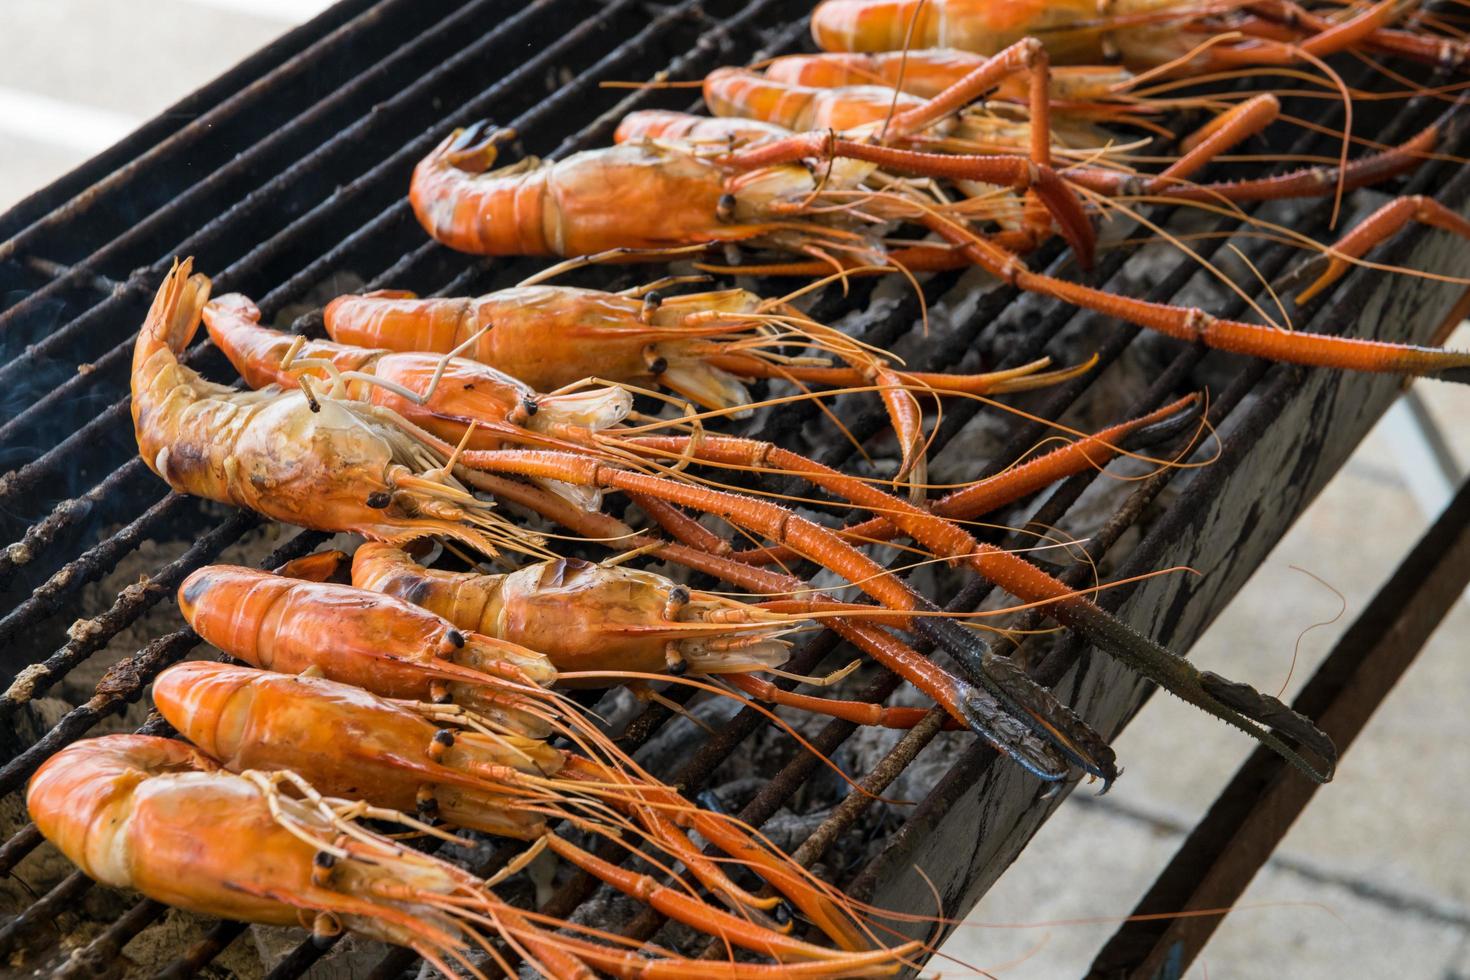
[979, 708]
[1336, 38]
[1376, 228]
[1026, 57]
[1442, 52]
[1305, 182]
[858, 712]
[1022, 480]
[976, 707]
[1196, 326]
[1007, 171]
[1259, 715]
[726, 834]
[690, 911]
[1200, 148]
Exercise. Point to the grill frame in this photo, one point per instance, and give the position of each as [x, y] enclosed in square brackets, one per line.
[994, 803]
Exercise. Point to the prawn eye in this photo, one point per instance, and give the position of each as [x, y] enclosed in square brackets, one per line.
[379, 499]
[427, 808]
[442, 742]
[321, 868]
[651, 303]
[725, 208]
[455, 638]
[530, 406]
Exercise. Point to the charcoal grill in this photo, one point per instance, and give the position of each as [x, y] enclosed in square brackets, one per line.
[291, 170]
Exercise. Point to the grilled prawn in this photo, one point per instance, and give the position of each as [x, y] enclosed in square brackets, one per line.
[329, 464]
[645, 195]
[704, 346]
[587, 617]
[443, 763]
[155, 815]
[160, 817]
[867, 110]
[1142, 34]
[374, 641]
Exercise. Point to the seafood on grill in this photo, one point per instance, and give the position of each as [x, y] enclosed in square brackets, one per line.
[580, 478]
[449, 765]
[812, 541]
[1186, 37]
[160, 817]
[998, 251]
[579, 615]
[332, 465]
[1260, 716]
[156, 815]
[487, 469]
[928, 72]
[949, 81]
[870, 109]
[387, 646]
[603, 623]
[646, 195]
[695, 194]
[374, 641]
[703, 346]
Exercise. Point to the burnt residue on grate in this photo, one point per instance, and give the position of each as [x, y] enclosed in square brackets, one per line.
[287, 181]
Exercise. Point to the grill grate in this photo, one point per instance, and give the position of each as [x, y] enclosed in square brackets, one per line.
[310, 143]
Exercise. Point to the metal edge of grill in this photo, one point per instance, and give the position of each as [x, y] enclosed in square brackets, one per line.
[1263, 411]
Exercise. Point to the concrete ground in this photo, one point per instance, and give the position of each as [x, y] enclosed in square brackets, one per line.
[1371, 881]
[78, 75]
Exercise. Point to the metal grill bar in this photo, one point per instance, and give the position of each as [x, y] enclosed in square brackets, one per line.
[26, 480]
[382, 180]
[204, 140]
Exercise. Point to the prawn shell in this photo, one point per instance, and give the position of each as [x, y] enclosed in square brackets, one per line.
[376, 642]
[136, 811]
[345, 741]
[155, 815]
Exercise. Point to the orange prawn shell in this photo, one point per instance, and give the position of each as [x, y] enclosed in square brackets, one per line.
[741, 92]
[545, 336]
[1142, 33]
[374, 641]
[151, 814]
[631, 195]
[345, 741]
[582, 616]
[466, 391]
[982, 26]
[924, 73]
[927, 73]
[662, 124]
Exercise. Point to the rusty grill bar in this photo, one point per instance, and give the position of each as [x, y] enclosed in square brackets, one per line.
[294, 166]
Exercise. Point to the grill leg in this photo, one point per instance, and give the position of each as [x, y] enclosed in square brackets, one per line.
[1222, 854]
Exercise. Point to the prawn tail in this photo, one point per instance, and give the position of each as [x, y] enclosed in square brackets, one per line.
[177, 310]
